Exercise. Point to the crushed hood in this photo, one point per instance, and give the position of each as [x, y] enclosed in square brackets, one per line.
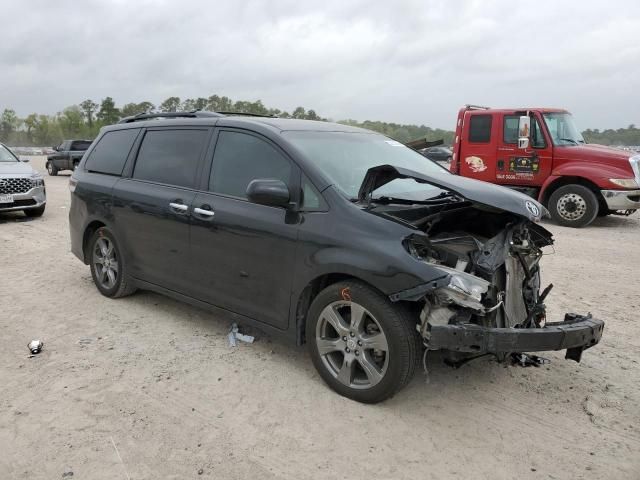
[473, 190]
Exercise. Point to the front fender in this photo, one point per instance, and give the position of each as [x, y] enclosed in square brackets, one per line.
[379, 271]
[594, 172]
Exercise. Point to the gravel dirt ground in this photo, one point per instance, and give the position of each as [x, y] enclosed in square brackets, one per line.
[146, 387]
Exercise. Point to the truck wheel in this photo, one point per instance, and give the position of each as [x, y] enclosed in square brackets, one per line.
[108, 268]
[573, 206]
[363, 346]
[52, 169]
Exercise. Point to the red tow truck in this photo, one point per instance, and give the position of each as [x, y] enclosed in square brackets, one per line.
[540, 152]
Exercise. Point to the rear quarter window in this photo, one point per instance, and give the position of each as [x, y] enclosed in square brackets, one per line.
[111, 152]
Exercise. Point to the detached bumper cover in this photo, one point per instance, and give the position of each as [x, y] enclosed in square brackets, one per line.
[576, 333]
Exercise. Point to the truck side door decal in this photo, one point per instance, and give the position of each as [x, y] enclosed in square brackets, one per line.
[478, 136]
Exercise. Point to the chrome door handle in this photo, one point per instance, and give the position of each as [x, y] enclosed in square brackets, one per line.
[179, 206]
[206, 213]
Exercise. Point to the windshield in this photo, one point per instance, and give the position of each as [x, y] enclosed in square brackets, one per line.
[562, 129]
[6, 155]
[346, 157]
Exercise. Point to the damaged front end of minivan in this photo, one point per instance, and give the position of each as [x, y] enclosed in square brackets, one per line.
[484, 246]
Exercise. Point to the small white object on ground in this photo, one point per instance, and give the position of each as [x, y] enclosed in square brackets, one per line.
[35, 346]
[235, 335]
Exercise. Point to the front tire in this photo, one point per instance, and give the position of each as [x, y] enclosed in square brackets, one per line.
[573, 206]
[52, 169]
[108, 267]
[364, 347]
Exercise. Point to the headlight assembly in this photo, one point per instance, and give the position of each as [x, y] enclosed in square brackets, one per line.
[37, 180]
[468, 285]
[625, 182]
[463, 289]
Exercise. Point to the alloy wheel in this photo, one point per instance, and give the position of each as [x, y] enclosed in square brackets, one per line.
[352, 345]
[105, 262]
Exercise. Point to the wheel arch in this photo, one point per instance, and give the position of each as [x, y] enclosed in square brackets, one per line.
[311, 291]
[89, 230]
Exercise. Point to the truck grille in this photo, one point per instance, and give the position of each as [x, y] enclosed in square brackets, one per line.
[15, 185]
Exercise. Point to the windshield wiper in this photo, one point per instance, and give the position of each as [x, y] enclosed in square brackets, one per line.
[569, 140]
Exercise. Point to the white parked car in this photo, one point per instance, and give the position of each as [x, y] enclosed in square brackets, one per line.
[21, 187]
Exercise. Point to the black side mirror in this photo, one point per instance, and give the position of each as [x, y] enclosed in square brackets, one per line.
[268, 191]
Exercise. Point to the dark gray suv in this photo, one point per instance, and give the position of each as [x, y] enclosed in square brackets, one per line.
[329, 235]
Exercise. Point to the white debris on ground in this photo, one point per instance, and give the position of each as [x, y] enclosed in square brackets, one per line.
[234, 335]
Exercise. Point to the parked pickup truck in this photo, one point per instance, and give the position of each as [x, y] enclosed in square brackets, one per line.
[540, 152]
[67, 155]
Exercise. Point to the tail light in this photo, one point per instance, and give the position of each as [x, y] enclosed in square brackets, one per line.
[72, 184]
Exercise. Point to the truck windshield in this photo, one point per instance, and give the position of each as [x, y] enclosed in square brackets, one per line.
[562, 129]
[6, 155]
[345, 157]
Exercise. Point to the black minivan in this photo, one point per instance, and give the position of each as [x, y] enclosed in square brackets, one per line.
[333, 236]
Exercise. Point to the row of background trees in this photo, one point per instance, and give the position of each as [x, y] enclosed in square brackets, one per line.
[85, 120]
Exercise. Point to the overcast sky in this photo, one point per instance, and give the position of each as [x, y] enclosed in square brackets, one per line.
[402, 61]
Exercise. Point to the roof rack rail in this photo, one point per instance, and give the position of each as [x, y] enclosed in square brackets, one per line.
[247, 114]
[192, 114]
[475, 107]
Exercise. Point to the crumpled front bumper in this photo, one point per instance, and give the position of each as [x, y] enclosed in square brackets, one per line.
[575, 334]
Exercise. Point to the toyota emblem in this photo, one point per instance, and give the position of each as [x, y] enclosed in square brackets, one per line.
[532, 208]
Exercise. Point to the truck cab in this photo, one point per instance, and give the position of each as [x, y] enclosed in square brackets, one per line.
[66, 156]
[540, 152]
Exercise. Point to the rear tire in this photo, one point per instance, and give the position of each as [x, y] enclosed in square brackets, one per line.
[34, 212]
[107, 264]
[364, 346]
[573, 206]
[52, 169]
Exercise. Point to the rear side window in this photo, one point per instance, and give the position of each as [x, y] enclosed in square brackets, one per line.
[240, 158]
[80, 145]
[170, 156]
[480, 128]
[111, 152]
